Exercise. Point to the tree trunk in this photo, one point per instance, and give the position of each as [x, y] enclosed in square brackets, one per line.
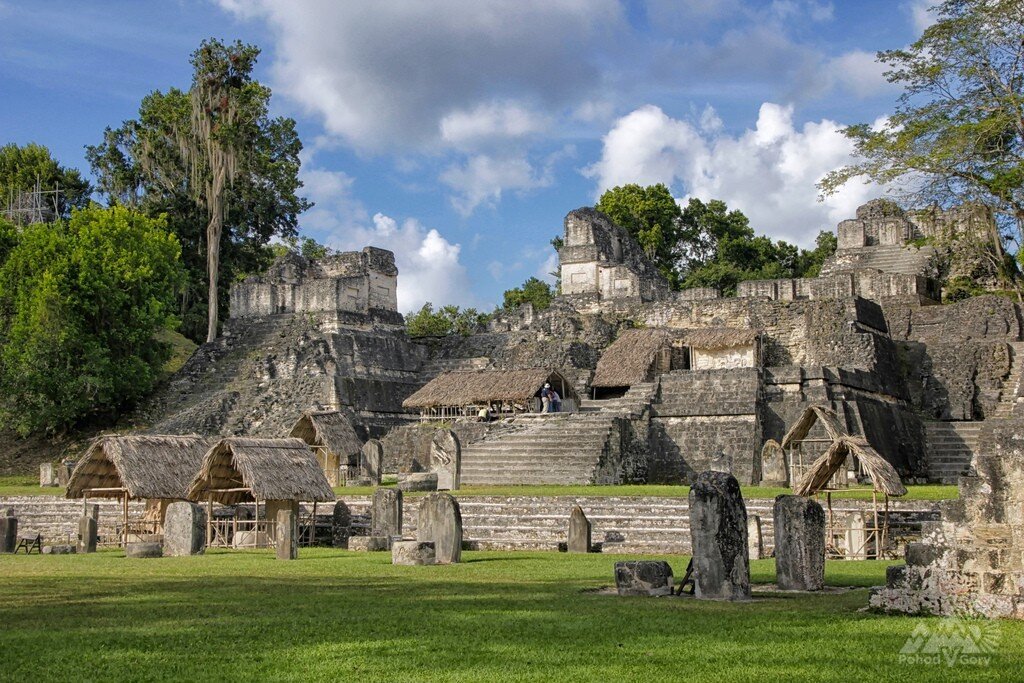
[213, 232]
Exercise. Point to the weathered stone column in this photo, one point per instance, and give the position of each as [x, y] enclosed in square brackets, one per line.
[287, 535]
[341, 525]
[47, 474]
[774, 471]
[8, 531]
[371, 461]
[579, 532]
[755, 539]
[87, 531]
[718, 534]
[446, 459]
[386, 513]
[184, 529]
[799, 544]
[440, 521]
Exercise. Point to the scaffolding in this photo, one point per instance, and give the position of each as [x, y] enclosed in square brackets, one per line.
[37, 205]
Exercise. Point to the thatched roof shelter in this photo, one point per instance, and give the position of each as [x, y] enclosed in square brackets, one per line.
[828, 418]
[883, 476]
[242, 469]
[328, 429]
[628, 360]
[719, 338]
[488, 386]
[139, 466]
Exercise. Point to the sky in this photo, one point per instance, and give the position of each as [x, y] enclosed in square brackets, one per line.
[458, 133]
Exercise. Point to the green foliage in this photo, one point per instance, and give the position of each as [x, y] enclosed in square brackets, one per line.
[148, 163]
[707, 244]
[533, 291]
[957, 132]
[80, 302]
[21, 167]
[960, 288]
[445, 321]
[300, 244]
[652, 216]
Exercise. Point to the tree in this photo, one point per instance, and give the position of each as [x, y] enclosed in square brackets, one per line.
[652, 216]
[445, 321]
[957, 133]
[22, 169]
[218, 165]
[80, 302]
[533, 291]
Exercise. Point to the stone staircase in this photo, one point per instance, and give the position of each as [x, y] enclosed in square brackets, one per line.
[951, 446]
[1011, 385]
[56, 518]
[560, 448]
[907, 260]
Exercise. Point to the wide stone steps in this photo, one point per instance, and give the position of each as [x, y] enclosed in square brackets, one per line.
[950, 448]
[1011, 385]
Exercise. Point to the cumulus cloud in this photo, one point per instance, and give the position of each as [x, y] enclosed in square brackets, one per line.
[859, 72]
[429, 265]
[491, 120]
[387, 75]
[483, 179]
[920, 17]
[769, 172]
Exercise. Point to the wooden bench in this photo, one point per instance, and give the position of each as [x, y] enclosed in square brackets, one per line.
[30, 543]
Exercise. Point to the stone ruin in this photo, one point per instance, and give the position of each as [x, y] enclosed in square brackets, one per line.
[718, 534]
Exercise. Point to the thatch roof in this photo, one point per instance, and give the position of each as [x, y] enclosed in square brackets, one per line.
[829, 420]
[883, 476]
[330, 429]
[628, 360]
[487, 386]
[146, 466]
[719, 338]
[264, 469]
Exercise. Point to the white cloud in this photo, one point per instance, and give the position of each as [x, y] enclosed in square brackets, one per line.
[768, 172]
[489, 121]
[483, 179]
[859, 72]
[920, 17]
[384, 75]
[429, 266]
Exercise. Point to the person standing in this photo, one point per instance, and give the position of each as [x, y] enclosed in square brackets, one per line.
[556, 402]
[545, 399]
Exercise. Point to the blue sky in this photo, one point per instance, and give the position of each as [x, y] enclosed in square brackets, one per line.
[460, 132]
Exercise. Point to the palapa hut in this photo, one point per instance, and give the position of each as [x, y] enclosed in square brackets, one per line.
[723, 347]
[859, 539]
[504, 392]
[637, 356]
[332, 438]
[155, 468]
[277, 472]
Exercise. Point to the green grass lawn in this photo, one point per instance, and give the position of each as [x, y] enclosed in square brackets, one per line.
[338, 615]
[26, 486]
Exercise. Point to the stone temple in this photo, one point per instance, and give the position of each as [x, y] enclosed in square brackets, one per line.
[664, 384]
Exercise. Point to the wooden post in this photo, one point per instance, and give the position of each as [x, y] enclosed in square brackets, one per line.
[124, 521]
[209, 519]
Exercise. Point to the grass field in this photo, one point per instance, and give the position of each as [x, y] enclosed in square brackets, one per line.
[337, 615]
[28, 486]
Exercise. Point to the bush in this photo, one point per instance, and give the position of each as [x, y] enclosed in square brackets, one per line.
[80, 302]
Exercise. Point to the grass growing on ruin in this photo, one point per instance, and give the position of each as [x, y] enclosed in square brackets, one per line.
[337, 615]
[26, 486]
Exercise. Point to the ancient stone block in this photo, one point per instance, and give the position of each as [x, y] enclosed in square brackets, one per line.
[369, 544]
[412, 552]
[87, 534]
[371, 461]
[143, 550]
[64, 470]
[184, 529]
[341, 525]
[386, 513]
[643, 577]
[774, 471]
[47, 474]
[579, 532]
[446, 459]
[755, 539]
[418, 481]
[440, 521]
[62, 549]
[287, 535]
[8, 533]
[718, 534]
[799, 544]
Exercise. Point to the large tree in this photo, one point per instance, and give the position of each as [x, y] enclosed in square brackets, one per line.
[80, 304]
[651, 215]
[957, 132]
[213, 159]
[24, 169]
